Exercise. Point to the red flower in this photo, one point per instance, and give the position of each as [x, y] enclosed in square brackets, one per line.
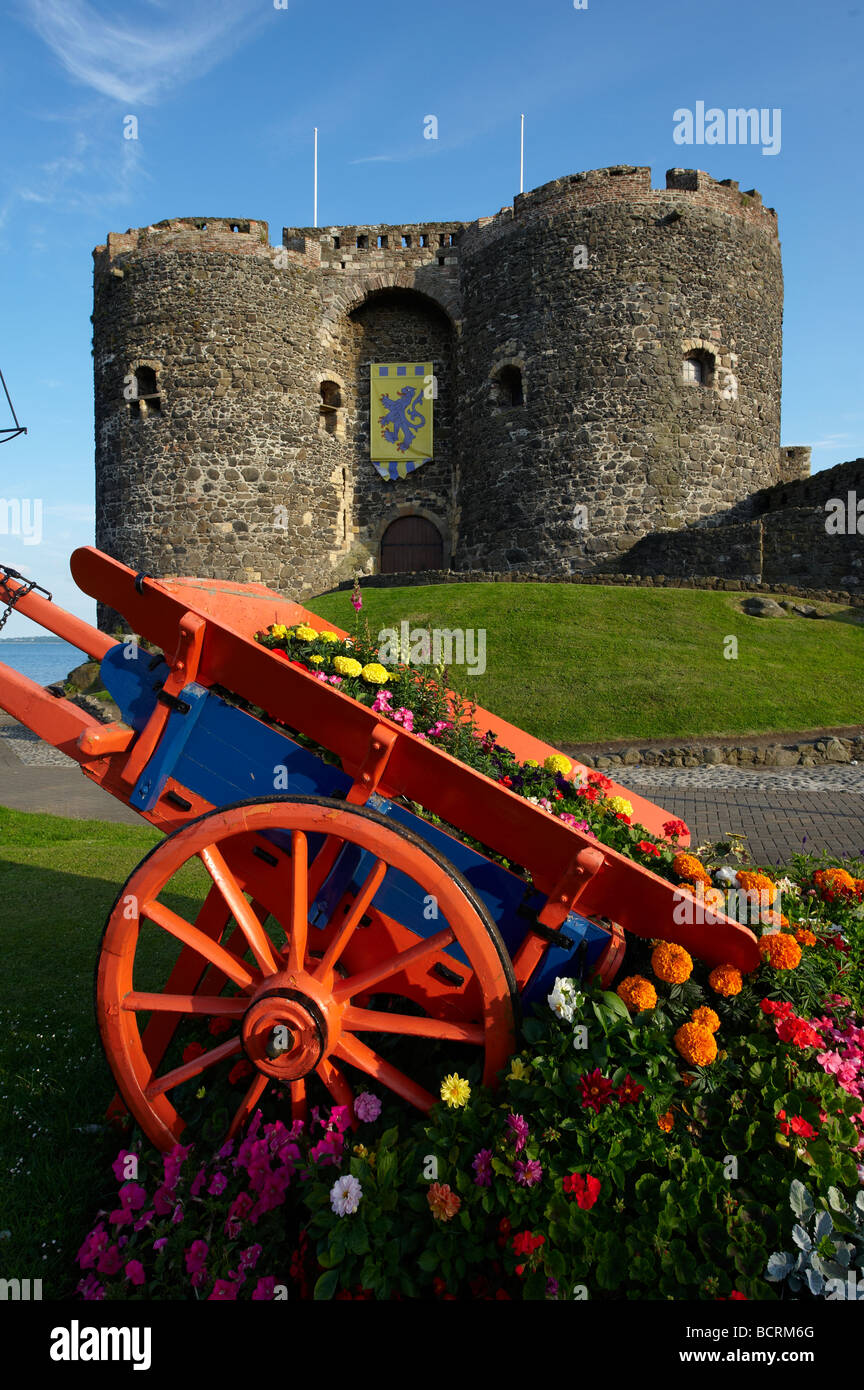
[596, 1090]
[505, 781]
[737, 1297]
[438, 1285]
[619, 815]
[216, 1026]
[557, 796]
[597, 779]
[629, 1091]
[526, 1243]
[674, 829]
[238, 1071]
[839, 944]
[590, 793]
[586, 1190]
[796, 1124]
[647, 847]
[195, 1049]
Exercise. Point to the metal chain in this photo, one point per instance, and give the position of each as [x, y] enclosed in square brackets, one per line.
[29, 585]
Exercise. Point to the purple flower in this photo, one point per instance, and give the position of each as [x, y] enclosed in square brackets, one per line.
[264, 1289]
[482, 1166]
[178, 1214]
[90, 1288]
[160, 1243]
[218, 1184]
[519, 1129]
[527, 1174]
[367, 1107]
[119, 1164]
[93, 1246]
[196, 1256]
[249, 1258]
[223, 1291]
[144, 1220]
[135, 1272]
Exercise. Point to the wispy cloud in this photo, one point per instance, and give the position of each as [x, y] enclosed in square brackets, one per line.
[137, 60]
[831, 441]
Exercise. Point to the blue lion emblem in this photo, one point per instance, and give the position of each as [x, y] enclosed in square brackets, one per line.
[403, 418]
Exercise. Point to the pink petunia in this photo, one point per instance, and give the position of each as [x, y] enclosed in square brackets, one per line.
[135, 1272]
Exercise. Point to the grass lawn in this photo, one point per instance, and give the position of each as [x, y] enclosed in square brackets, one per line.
[58, 881]
[577, 663]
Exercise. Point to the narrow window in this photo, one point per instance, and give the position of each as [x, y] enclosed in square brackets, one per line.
[694, 370]
[382, 242]
[424, 238]
[406, 241]
[337, 242]
[362, 243]
[509, 386]
[328, 412]
[146, 400]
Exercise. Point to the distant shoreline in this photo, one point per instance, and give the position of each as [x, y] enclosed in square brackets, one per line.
[60, 641]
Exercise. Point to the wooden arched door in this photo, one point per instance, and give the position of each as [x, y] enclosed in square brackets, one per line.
[411, 543]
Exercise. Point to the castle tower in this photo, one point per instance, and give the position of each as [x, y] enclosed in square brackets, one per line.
[606, 356]
[645, 329]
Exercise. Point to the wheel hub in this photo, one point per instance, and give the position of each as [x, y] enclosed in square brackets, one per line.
[289, 1028]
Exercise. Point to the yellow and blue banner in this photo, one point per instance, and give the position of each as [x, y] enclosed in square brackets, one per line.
[400, 416]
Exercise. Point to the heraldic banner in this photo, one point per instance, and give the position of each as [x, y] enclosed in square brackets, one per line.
[400, 414]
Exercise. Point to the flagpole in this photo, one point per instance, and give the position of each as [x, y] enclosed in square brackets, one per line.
[522, 157]
[315, 182]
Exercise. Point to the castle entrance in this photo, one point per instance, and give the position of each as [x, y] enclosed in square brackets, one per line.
[411, 543]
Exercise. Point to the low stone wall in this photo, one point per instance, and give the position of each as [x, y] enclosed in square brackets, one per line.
[807, 754]
[655, 581]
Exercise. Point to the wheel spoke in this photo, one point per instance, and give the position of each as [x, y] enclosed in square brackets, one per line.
[356, 984]
[299, 1106]
[256, 1089]
[299, 903]
[211, 1005]
[211, 950]
[259, 941]
[351, 1049]
[335, 1082]
[370, 1021]
[193, 1068]
[349, 926]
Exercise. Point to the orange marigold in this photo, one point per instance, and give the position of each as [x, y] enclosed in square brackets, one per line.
[780, 950]
[671, 963]
[688, 866]
[665, 1122]
[773, 919]
[695, 1044]
[835, 883]
[725, 980]
[706, 1018]
[805, 937]
[637, 993]
[758, 883]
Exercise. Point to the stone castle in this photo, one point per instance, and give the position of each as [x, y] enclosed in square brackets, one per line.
[607, 364]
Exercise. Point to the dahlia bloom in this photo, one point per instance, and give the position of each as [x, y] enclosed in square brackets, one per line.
[345, 1195]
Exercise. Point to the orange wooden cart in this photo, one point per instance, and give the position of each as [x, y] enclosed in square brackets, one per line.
[324, 913]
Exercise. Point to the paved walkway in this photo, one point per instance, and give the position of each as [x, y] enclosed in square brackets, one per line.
[780, 811]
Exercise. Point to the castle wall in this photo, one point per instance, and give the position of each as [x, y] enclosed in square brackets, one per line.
[241, 474]
[608, 423]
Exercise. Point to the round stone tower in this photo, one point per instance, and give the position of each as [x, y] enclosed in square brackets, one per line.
[606, 360]
[643, 331]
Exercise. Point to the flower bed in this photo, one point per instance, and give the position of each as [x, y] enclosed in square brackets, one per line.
[643, 1143]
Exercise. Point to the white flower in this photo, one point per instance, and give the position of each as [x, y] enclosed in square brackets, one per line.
[787, 886]
[345, 1195]
[565, 997]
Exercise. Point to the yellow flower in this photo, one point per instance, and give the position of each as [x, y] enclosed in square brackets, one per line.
[530, 762]
[347, 666]
[518, 1070]
[618, 803]
[315, 659]
[360, 1150]
[556, 762]
[374, 673]
[455, 1091]
[328, 636]
[305, 634]
[201, 1093]
[725, 980]
[279, 630]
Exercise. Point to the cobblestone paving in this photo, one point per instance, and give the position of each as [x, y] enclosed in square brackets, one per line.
[29, 748]
[829, 777]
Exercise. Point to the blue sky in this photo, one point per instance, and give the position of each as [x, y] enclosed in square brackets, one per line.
[226, 93]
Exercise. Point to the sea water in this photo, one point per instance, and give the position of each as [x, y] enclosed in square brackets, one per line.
[43, 662]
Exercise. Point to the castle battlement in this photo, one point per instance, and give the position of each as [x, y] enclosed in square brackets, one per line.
[606, 358]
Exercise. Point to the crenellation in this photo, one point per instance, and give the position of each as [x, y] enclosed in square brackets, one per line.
[606, 358]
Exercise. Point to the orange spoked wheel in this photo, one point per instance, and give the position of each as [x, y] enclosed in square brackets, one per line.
[291, 951]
